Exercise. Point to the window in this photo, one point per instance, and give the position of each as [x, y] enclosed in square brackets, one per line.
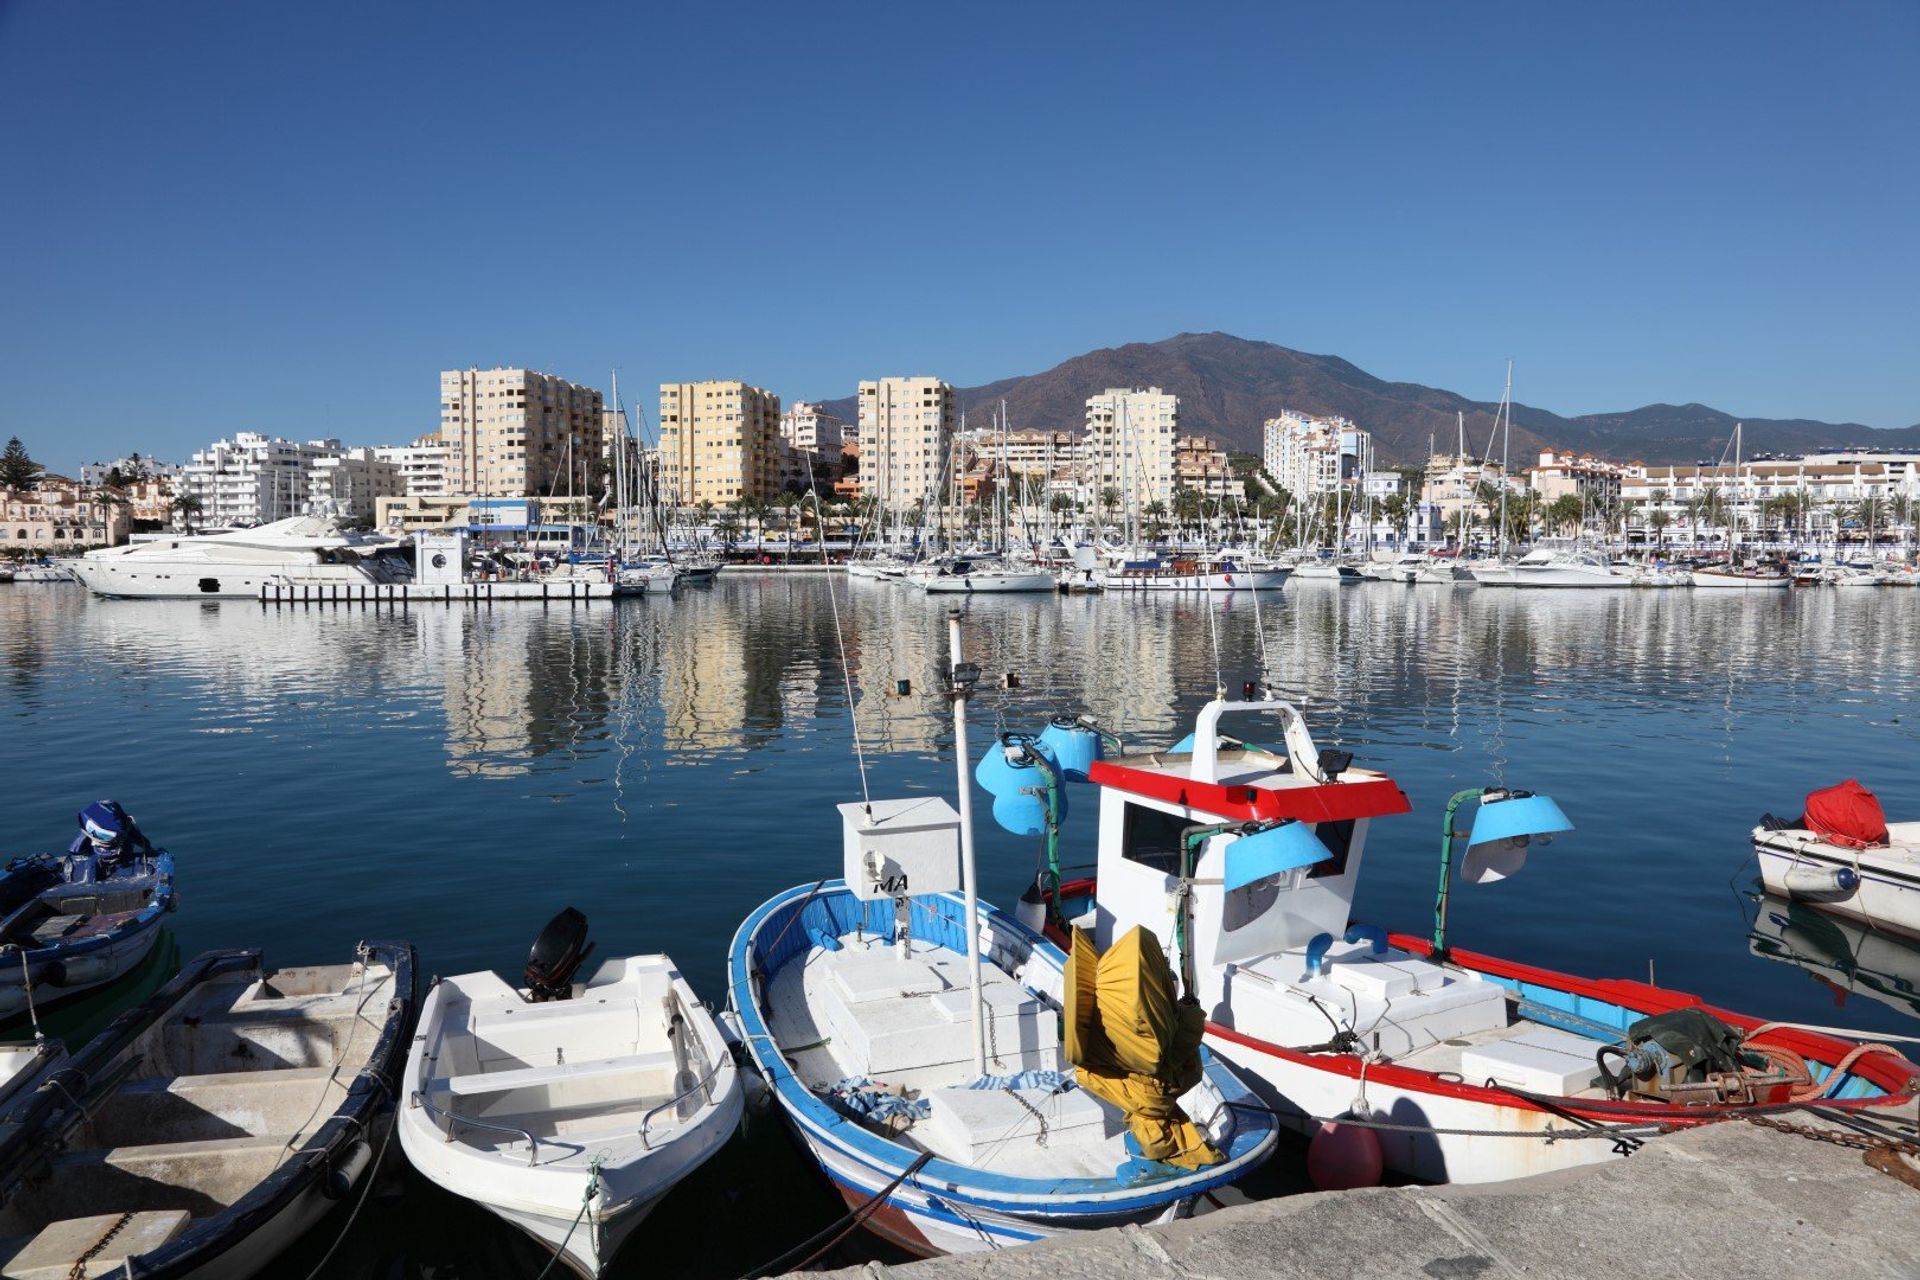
[1152, 838]
[1338, 837]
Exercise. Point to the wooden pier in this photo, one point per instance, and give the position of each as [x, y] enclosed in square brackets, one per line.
[404, 594]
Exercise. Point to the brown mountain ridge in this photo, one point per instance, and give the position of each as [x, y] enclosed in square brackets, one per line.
[1229, 386]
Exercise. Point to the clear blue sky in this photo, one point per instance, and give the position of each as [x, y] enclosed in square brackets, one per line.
[290, 217]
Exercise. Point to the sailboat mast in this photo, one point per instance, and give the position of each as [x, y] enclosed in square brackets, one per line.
[969, 884]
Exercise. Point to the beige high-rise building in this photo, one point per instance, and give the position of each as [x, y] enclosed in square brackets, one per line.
[719, 443]
[511, 432]
[1130, 437]
[906, 428]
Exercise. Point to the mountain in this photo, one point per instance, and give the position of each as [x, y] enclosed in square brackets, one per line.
[1229, 386]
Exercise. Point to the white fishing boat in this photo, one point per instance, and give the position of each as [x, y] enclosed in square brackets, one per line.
[1740, 578]
[567, 1109]
[952, 1072]
[1244, 860]
[1842, 855]
[1571, 568]
[212, 1126]
[302, 551]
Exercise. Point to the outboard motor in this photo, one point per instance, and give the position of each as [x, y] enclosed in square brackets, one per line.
[557, 955]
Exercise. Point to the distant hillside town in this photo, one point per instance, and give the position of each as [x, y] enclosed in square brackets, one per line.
[515, 447]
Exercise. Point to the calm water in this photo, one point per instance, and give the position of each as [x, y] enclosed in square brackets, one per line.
[455, 776]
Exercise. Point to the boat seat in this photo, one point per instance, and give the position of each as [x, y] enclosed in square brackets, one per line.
[488, 1082]
[56, 1253]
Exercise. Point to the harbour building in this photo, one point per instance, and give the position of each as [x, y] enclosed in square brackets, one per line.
[1314, 457]
[906, 428]
[719, 443]
[348, 485]
[515, 432]
[811, 441]
[1130, 445]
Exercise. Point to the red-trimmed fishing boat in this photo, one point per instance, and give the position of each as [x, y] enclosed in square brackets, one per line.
[1244, 860]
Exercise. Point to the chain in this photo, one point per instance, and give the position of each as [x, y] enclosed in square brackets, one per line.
[1041, 1139]
[1888, 1155]
[79, 1271]
[993, 1037]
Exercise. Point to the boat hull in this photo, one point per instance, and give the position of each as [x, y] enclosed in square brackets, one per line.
[1711, 580]
[1559, 577]
[1887, 896]
[971, 584]
[1239, 580]
[39, 976]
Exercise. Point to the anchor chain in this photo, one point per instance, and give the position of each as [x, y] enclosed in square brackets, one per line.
[1887, 1155]
[79, 1271]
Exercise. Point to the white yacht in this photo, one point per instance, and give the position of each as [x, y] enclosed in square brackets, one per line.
[295, 551]
[1566, 569]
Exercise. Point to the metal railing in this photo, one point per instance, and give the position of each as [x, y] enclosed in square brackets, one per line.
[533, 1143]
[704, 1086]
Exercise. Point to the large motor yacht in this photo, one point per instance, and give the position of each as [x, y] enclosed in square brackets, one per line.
[301, 549]
[1567, 569]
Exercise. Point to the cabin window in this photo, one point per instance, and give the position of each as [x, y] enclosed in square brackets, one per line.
[1338, 837]
[1152, 838]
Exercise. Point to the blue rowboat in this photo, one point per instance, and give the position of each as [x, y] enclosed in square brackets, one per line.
[70, 924]
[943, 1163]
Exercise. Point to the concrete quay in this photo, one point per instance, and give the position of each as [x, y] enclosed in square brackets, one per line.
[1728, 1201]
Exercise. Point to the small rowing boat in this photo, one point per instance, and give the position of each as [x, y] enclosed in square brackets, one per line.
[568, 1109]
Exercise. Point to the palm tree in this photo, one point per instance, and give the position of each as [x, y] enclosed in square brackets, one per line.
[185, 507]
[1564, 512]
[1714, 508]
[1695, 507]
[1155, 512]
[1900, 515]
[1658, 522]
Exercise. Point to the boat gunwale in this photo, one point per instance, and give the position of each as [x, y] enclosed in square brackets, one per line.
[1006, 1193]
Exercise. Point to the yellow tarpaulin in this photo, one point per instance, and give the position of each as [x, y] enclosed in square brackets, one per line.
[1135, 1044]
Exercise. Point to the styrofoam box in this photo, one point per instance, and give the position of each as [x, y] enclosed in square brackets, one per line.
[895, 847]
[971, 1124]
[1539, 1060]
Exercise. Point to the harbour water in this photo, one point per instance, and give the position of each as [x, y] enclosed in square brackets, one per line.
[454, 776]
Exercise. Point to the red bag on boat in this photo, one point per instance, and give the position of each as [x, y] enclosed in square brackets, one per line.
[1848, 814]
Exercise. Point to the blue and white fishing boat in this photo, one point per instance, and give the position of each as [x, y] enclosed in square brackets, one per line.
[912, 1036]
[76, 921]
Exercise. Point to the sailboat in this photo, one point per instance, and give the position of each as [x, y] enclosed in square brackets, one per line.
[1733, 574]
[938, 1059]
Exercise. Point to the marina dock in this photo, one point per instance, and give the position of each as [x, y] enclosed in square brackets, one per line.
[404, 593]
[1725, 1202]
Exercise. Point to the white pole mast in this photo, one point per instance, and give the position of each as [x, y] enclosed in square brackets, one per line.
[969, 885]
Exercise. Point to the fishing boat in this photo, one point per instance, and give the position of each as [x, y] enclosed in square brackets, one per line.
[947, 1067]
[568, 1109]
[77, 921]
[1199, 572]
[1482, 1067]
[1740, 577]
[206, 1130]
[1842, 855]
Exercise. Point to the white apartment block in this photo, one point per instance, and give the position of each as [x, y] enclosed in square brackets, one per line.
[422, 466]
[252, 478]
[1830, 488]
[719, 443]
[1311, 457]
[514, 432]
[906, 427]
[348, 485]
[1130, 440]
[1452, 483]
[808, 427]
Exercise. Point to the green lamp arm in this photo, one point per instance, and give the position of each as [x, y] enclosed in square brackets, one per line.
[1447, 837]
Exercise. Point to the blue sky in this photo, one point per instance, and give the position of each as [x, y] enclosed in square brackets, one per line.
[290, 217]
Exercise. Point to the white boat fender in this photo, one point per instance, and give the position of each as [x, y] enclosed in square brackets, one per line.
[78, 971]
[347, 1171]
[1805, 880]
[1032, 909]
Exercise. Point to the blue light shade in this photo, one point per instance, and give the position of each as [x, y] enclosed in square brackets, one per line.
[1519, 816]
[1074, 745]
[1272, 851]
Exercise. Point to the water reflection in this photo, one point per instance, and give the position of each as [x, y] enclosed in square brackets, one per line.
[1846, 959]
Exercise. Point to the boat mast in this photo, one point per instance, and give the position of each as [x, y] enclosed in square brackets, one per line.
[969, 884]
[1506, 441]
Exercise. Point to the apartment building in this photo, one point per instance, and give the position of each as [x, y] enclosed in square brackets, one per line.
[1592, 480]
[1829, 491]
[252, 478]
[906, 428]
[1452, 483]
[514, 432]
[130, 469]
[1130, 444]
[348, 485]
[719, 443]
[1201, 465]
[59, 516]
[422, 466]
[1312, 457]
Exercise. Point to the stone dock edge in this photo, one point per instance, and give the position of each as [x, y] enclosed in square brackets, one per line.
[1726, 1200]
